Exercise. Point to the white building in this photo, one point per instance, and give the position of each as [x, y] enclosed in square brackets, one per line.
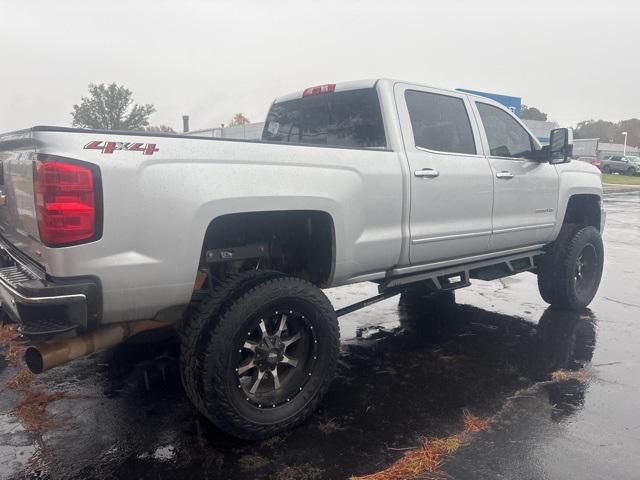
[540, 129]
[250, 131]
[607, 149]
[593, 147]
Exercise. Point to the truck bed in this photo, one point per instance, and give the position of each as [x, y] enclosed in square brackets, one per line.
[156, 207]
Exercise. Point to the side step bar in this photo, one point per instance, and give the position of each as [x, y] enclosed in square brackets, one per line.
[452, 278]
[457, 277]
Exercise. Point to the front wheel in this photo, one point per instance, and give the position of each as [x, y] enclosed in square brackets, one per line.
[570, 272]
[631, 171]
[606, 169]
[268, 359]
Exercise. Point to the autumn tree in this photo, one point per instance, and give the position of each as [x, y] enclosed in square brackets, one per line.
[111, 107]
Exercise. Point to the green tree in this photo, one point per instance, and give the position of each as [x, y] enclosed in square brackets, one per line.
[602, 129]
[532, 113]
[609, 131]
[239, 119]
[632, 127]
[110, 107]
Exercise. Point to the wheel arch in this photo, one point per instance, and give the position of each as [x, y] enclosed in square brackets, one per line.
[583, 203]
[583, 209]
[300, 243]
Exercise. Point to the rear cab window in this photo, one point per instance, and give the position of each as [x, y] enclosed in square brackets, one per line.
[350, 119]
[440, 122]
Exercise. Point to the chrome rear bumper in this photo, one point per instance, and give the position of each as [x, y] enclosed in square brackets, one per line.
[43, 305]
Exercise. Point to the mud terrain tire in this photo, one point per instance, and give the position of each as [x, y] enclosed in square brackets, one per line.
[570, 272]
[231, 354]
[203, 315]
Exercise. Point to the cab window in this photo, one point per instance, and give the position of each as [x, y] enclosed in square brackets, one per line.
[350, 119]
[440, 122]
[506, 137]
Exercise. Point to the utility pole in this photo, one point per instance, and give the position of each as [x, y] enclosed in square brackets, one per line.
[624, 147]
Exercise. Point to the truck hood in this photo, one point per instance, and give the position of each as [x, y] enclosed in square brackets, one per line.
[579, 167]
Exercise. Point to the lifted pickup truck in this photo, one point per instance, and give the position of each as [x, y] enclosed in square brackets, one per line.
[105, 234]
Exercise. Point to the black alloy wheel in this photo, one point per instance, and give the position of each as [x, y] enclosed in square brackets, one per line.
[276, 358]
[264, 358]
[586, 272]
[569, 273]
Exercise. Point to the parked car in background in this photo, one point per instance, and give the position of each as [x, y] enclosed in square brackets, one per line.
[624, 164]
[595, 161]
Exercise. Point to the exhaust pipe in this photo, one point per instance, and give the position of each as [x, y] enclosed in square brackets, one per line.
[40, 358]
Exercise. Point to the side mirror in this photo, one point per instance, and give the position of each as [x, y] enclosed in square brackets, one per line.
[560, 145]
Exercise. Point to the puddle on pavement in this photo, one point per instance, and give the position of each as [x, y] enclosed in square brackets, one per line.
[408, 378]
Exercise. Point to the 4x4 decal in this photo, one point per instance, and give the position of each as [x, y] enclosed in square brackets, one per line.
[110, 147]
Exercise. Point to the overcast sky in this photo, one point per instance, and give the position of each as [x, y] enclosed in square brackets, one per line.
[575, 60]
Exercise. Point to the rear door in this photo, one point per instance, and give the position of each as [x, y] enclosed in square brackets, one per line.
[451, 183]
[526, 191]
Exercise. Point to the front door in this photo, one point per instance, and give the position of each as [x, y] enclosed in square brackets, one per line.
[451, 181]
[526, 191]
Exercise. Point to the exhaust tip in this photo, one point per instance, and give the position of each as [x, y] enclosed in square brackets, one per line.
[33, 359]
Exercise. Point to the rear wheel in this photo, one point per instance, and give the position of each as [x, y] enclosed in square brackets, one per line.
[268, 359]
[570, 272]
[202, 315]
[631, 171]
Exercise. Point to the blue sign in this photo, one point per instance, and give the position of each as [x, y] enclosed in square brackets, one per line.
[512, 103]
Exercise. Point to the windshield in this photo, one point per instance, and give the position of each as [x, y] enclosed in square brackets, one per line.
[343, 119]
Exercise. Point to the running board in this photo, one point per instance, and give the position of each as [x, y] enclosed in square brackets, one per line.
[452, 278]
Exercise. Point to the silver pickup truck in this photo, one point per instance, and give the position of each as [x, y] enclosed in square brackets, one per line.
[105, 234]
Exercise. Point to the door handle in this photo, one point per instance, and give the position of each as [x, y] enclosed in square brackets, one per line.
[505, 175]
[427, 172]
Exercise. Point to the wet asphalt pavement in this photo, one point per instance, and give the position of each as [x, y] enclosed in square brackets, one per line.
[404, 374]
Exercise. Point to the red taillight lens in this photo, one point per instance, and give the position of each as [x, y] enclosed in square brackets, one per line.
[65, 197]
[328, 88]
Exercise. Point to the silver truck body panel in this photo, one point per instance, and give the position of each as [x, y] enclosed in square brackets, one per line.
[157, 209]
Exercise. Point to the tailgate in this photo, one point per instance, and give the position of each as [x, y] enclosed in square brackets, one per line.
[18, 222]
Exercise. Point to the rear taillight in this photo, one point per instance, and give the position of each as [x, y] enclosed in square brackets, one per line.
[66, 201]
[328, 88]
